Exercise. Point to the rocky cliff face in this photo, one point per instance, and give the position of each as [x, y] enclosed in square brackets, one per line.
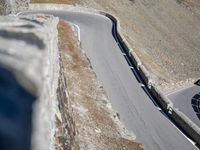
[12, 6]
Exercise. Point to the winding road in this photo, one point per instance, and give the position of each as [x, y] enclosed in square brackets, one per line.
[136, 109]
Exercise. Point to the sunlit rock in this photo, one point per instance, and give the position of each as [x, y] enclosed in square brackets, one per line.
[28, 81]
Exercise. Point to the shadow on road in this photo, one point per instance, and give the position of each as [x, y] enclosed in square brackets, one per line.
[197, 83]
[196, 104]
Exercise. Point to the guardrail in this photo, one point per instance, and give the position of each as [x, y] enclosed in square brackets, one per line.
[180, 119]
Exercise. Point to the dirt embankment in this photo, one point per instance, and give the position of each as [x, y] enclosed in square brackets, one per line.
[164, 34]
[69, 2]
[86, 115]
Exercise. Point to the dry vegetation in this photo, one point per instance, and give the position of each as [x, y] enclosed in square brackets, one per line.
[70, 2]
[164, 34]
[1, 11]
[96, 125]
[193, 3]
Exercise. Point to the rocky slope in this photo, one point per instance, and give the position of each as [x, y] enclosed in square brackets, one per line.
[164, 34]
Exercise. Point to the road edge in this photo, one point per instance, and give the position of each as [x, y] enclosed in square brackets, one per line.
[190, 128]
[180, 119]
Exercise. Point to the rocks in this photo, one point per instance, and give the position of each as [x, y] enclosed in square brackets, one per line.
[13, 6]
[3, 7]
[22, 4]
[28, 79]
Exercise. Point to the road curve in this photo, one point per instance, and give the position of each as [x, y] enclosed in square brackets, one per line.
[187, 101]
[137, 111]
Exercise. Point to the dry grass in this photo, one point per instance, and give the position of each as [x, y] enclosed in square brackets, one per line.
[2, 10]
[87, 99]
[192, 3]
[158, 31]
[70, 2]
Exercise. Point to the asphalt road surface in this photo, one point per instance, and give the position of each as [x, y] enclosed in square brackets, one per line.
[188, 101]
[137, 111]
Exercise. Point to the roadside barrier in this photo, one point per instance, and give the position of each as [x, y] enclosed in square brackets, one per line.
[180, 119]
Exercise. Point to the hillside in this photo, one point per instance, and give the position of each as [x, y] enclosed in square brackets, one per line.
[164, 34]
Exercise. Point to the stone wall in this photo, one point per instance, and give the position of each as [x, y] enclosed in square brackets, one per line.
[29, 68]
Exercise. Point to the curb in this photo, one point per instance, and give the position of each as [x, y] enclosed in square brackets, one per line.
[180, 119]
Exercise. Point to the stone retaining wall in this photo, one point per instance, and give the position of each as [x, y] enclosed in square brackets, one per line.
[29, 69]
